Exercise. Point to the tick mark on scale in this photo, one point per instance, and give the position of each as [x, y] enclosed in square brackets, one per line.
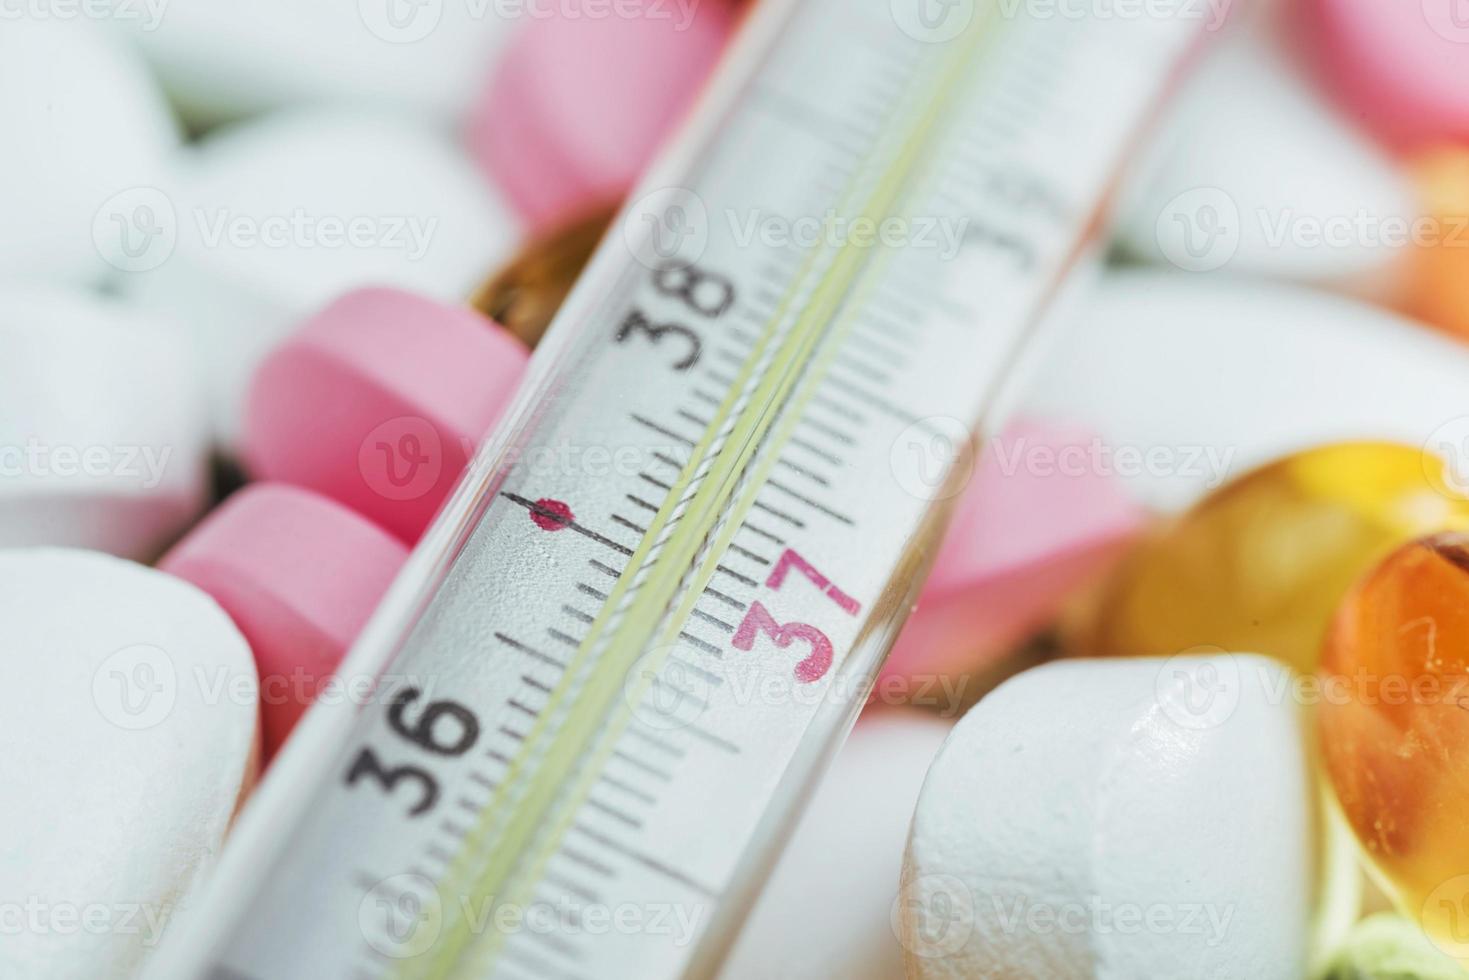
[551, 515]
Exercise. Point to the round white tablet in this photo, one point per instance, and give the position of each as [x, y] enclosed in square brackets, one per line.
[130, 730]
[1117, 820]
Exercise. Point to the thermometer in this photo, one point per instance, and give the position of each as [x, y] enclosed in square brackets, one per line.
[615, 666]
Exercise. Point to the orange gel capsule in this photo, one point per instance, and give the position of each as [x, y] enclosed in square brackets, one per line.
[1394, 727]
[1261, 564]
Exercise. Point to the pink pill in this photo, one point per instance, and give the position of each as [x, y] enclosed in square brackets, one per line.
[1038, 519]
[581, 100]
[379, 402]
[1401, 65]
[299, 575]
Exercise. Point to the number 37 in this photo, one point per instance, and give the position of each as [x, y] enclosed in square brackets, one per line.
[759, 620]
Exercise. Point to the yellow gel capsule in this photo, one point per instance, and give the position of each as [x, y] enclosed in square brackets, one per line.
[1440, 282]
[1393, 719]
[1261, 564]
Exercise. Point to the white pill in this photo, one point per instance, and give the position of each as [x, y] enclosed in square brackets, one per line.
[827, 909]
[223, 59]
[1253, 171]
[1192, 381]
[274, 219]
[1117, 820]
[85, 129]
[130, 730]
[103, 439]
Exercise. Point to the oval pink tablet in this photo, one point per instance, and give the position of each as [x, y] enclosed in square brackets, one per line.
[1400, 65]
[299, 575]
[1041, 517]
[581, 99]
[379, 402]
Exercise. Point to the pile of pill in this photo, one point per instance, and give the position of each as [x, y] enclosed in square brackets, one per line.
[1184, 696]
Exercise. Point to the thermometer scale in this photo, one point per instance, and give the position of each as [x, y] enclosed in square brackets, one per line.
[615, 666]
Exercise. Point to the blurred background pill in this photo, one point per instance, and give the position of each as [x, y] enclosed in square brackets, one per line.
[827, 908]
[276, 217]
[1040, 518]
[222, 60]
[1399, 65]
[103, 436]
[1440, 293]
[88, 142]
[1255, 171]
[1388, 946]
[1191, 381]
[581, 100]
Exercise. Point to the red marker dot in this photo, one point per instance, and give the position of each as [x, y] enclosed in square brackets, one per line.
[551, 515]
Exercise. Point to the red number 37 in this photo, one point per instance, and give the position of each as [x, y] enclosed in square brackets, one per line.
[759, 620]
